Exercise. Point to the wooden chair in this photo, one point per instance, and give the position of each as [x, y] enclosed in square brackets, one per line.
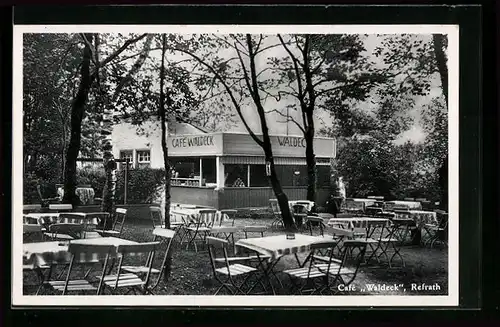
[313, 221]
[65, 232]
[156, 217]
[123, 279]
[323, 276]
[229, 270]
[228, 215]
[60, 207]
[83, 254]
[46, 201]
[97, 221]
[118, 223]
[276, 212]
[254, 229]
[199, 229]
[164, 236]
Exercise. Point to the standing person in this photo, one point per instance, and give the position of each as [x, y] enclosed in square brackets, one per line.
[332, 206]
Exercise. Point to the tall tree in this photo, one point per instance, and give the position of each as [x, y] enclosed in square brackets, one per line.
[247, 50]
[89, 74]
[77, 112]
[321, 66]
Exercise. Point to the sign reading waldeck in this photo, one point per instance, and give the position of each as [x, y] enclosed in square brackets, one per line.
[244, 145]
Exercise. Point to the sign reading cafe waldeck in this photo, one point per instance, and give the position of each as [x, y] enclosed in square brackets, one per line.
[244, 145]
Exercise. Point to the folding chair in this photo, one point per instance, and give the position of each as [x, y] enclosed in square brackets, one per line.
[65, 231]
[276, 212]
[30, 231]
[310, 275]
[310, 221]
[254, 229]
[118, 223]
[228, 215]
[29, 208]
[130, 281]
[60, 207]
[82, 254]
[199, 229]
[336, 235]
[96, 221]
[392, 241]
[228, 270]
[344, 273]
[156, 217]
[405, 225]
[89, 221]
[227, 231]
[437, 233]
[165, 236]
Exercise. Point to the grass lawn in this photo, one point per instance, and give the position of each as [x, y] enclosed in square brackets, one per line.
[191, 272]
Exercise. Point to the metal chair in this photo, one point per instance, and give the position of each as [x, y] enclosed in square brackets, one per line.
[227, 215]
[229, 270]
[130, 281]
[199, 229]
[276, 212]
[82, 254]
[164, 236]
[65, 231]
[118, 223]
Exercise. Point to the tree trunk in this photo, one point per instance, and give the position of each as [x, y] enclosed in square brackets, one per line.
[166, 213]
[282, 198]
[310, 161]
[77, 112]
[438, 43]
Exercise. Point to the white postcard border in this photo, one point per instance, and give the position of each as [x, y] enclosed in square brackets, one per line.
[18, 299]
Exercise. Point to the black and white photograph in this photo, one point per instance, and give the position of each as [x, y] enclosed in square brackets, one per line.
[224, 165]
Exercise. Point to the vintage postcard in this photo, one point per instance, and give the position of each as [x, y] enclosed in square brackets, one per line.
[259, 165]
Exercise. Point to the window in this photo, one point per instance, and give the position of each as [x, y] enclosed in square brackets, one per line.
[126, 155]
[235, 175]
[144, 159]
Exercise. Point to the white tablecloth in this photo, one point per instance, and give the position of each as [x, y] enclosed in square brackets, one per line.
[278, 245]
[358, 222]
[47, 253]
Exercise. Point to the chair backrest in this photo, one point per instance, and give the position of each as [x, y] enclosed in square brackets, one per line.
[119, 220]
[60, 207]
[145, 249]
[318, 221]
[273, 204]
[207, 217]
[341, 232]
[101, 218]
[255, 229]
[165, 236]
[216, 245]
[156, 217]
[88, 253]
[228, 214]
[27, 208]
[74, 230]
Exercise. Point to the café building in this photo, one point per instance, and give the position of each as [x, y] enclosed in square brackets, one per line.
[224, 170]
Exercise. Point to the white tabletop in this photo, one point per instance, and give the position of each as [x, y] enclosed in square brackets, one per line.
[279, 245]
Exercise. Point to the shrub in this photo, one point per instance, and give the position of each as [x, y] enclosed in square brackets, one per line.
[143, 184]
